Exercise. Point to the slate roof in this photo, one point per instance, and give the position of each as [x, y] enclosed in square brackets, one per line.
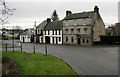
[55, 25]
[79, 15]
[42, 25]
[28, 32]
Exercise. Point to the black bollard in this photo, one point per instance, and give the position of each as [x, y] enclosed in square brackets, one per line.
[21, 47]
[6, 47]
[46, 50]
[34, 49]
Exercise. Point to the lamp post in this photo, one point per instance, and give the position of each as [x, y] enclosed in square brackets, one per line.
[13, 38]
[3, 29]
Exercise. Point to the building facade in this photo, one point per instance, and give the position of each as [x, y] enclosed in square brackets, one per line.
[52, 33]
[38, 31]
[27, 36]
[83, 28]
[113, 30]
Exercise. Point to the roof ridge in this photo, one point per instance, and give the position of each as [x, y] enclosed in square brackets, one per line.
[83, 12]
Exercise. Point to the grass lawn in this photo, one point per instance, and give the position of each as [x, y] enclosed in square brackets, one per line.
[0, 46]
[39, 64]
[0, 53]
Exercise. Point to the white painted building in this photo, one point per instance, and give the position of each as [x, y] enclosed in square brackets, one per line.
[53, 33]
[27, 36]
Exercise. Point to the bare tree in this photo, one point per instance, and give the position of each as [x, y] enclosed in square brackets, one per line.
[5, 12]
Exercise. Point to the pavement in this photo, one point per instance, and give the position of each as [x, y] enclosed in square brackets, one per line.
[84, 60]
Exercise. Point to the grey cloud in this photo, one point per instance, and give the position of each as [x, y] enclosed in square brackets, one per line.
[40, 10]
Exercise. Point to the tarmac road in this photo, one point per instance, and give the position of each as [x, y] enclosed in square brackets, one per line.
[84, 60]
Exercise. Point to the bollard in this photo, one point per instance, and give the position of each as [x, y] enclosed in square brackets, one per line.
[34, 49]
[46, 49]
[21, 47]
[6, 47]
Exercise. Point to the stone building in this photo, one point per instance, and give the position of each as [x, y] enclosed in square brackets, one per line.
[117, 31]
[83, 28]
[113, 30]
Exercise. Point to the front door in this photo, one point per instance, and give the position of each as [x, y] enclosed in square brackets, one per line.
[47, 40]
[23, 39]
[37, 39]
[79, 41]
[56, 40]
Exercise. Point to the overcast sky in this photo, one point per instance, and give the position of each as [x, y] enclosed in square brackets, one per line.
[28, 11]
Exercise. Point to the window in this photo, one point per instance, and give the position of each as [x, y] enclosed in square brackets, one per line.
[28, 36]
[72, 30]
[83, 40]
[66, 38]
[87, 41]
[56, 32]
[72, 39]
[59, 32]
[78, 30]
[59, 38]
[48, 32]
[85, 29]
[53, 32]
[53, 40]
[37, 31]
[45, 32]
[66, 30]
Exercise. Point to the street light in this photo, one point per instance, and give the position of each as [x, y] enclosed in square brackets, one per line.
[13, 38]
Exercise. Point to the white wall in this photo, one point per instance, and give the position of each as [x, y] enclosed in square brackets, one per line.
[26, 39]
[51, 36]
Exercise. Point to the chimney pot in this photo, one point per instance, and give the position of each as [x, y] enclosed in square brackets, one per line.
[48, 20]
[68, 12]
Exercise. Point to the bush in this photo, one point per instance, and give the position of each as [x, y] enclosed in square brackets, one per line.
[9, 67]
[110, 40]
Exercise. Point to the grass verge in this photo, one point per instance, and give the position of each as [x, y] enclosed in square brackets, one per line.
[39, 64]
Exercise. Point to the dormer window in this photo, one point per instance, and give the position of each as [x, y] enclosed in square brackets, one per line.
[53, 32]
[56, 32]
[28, 36]
[48, 32]
[59, 32]
[45, 32]
[37, 31]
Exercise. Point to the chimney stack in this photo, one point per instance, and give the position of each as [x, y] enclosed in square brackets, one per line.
[48, 20]
[68, 13]
[96, 9]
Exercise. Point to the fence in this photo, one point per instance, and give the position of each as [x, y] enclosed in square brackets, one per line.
[24, 48]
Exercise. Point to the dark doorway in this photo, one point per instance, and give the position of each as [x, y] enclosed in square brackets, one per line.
[79, 41]
[31, 39]
[41, 39]
[23, 39]
[56, 40]
[37, 39]
[47, 40]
